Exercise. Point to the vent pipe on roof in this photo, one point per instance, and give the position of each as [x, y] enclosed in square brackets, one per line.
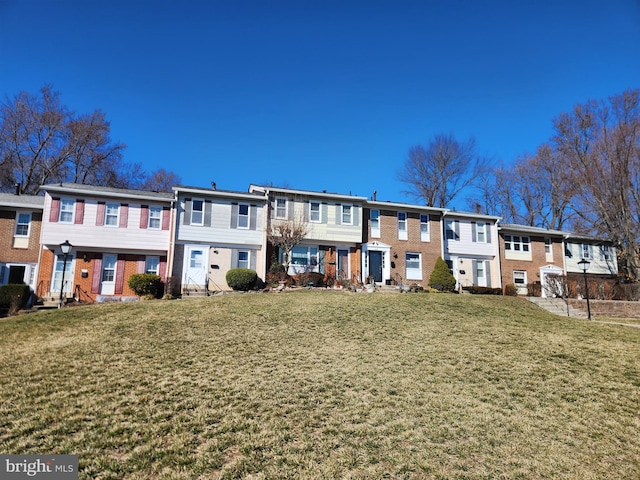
[213, 185]
[17, 188]
[375, 194]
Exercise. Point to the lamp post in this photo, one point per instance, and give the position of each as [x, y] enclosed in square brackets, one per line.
[66, 248]
[584, 265]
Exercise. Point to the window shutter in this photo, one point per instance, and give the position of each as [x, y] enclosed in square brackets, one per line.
[100, 214]
[97, 275]
[474, 232]
[457, 227]
[291, 205]
[186, 219]
[591, 252]
[144, 216]
[307, 207]
[234, 220]
[487, 273]
[163, 268]
[338, 214]
[321, 260]
[207, 213]
[55, 210]
[488, 234]
[234, 258]
[119, 287]
[253, 216]
[166, 215]
[323, 212]
[141, 264]
[79, 216]
[474, 266]
[355, 212]
[252, 259]
[124, 215]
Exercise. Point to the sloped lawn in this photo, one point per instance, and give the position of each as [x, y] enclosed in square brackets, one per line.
[321, 385]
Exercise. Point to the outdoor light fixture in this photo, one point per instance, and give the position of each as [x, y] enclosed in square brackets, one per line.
[66, 249]
[584, 265]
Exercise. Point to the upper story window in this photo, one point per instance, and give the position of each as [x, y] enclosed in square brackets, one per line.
[66, 210]
[586, 251]
[281, 208]
[424, 227]
[23, 221]
[155, 217]
[402, 226]
[516, 243]
[111, 214]
[481, 232]
[347, 214]
[314, 212]
[374, 216]
[243, 215]
[452, 229]
[605, 252]
[548, 246]
[197, 211]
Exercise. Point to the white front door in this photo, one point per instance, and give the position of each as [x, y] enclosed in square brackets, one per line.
[108, 281]
[57, 280]
[196, 258]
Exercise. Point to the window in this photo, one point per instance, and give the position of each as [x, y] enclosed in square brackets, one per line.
[111, 214]
[424, 228]
[451, 230]
[413, 266]
[23, 221]
[480, 269]
[314, 212]
[243, 259]
[516, 243]
[155, 217]
[196, 259]
[547, 246]
[481, 232]
[197, 212]
[304, 256]
[605, 252]
[109, 268]
[346, 215]
[402, 226]
[66, 211]
[587, 251]
[243, 215]
[152, 265]
[374, 216]
[281, 208]
[519, 277]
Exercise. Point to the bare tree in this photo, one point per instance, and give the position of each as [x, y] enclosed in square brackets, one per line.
[601, 142]
[160, 180]
[437, 173]
[287, 234]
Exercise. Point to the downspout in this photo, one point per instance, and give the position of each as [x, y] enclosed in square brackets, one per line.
[172, 233]
[498, 249]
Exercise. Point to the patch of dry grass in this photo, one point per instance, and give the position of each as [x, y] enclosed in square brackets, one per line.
[319, 384]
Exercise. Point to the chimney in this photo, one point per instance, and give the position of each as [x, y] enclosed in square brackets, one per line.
[17, 188]
[213, 185]
[375, 194]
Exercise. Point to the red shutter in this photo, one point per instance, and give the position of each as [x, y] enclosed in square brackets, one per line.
[97, 275]
[119, 277]
[141, 264]
[124, 215]
[144, 216]
[79, 212]
[100, 214]
[55, 210]
[163, 268]
[166, 213]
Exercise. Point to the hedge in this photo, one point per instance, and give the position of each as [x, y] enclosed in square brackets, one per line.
[242, 279]
[14, 291]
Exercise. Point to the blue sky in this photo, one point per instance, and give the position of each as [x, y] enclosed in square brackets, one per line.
[318, 95]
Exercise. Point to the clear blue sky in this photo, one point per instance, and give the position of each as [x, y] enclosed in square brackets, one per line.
[318, 94]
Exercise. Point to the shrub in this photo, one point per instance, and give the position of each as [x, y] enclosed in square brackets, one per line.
[511, 290]
[484, 290]
[242, 279]
[277, 274]
[145, 284]
[14, 296]
[441, 278]
[304, 279]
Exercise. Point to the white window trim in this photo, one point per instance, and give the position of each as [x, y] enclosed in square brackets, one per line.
[425, 236]
[62, 210]
[15, 232]
[246, 216]
[375, 231]
[510, 243]
[151, 217]
[248, 261]
[524, 276]
[413, 273]
[311, 219]
[106, 214]
[450, 231]
[193, 210]
[342, 214]
[286, 205]
[481, 229]
[402, 226]
[146, 264]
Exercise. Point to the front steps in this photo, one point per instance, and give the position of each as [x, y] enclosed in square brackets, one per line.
[557, 306]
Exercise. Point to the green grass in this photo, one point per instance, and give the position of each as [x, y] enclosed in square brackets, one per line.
[323, 385]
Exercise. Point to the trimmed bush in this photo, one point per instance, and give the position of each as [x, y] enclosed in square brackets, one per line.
[484, 290]
[511, 290]
[145, 284]
[304, 279]
[14, 296]
[441, 278]
[242, 279]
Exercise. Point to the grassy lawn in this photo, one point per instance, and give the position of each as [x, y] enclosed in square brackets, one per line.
[322, 385]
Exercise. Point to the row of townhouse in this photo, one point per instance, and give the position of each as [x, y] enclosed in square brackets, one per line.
[195, 235]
